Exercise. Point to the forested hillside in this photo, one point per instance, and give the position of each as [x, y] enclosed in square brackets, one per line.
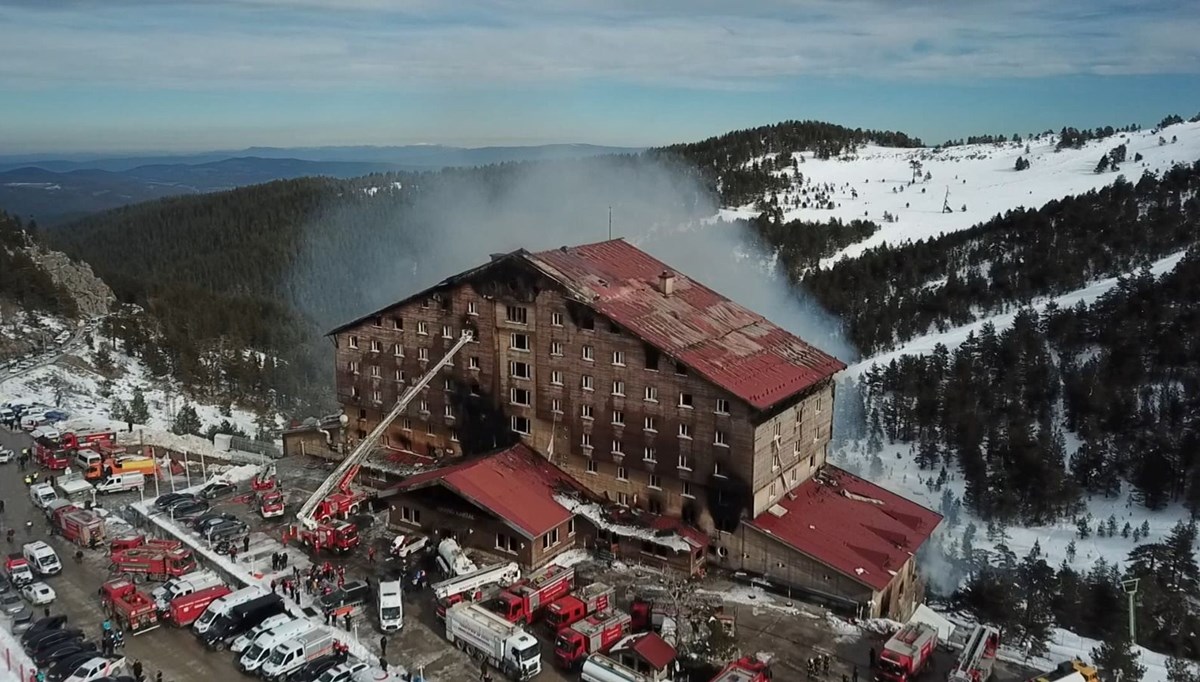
[22, 282]
[727, 159]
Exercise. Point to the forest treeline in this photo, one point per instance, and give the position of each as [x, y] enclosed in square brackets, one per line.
[727, 160]
[1122, 375]
[893, 293]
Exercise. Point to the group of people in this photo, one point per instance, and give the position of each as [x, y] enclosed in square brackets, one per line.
[279, 560]
[111, 638]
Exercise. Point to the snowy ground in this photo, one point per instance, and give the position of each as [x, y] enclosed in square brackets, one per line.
[979, 176]
[73, 384]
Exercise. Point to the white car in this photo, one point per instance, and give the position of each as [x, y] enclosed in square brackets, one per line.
[6, 455]
[38, 593]
[96, 668]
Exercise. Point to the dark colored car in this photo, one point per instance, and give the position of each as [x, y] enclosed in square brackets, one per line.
[218, 489]
[352, 594]
[56, 622]
[226, 530]
[242, 618]
[314, 669]
[182, 501]
[36, 641]
[168, 498]
[55, 654]
[64, 668]
[189, 510]
[210, 518]
[56, 642]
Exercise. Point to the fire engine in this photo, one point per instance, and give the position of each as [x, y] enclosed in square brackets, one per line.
[153, 560]
[978, 656]
[317, 526]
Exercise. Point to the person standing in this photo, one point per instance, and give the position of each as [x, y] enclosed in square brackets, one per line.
[137, 669]
[383, 642]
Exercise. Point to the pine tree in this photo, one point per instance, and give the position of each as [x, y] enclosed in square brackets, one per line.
[186, 421]
[1116, 655]
[1103, 164]
[1180, 670]
[1083, 529]
[139, 412]
[118, 410]
[1145, 529]
[104, 359]
[1071, 551]
[1126, 530]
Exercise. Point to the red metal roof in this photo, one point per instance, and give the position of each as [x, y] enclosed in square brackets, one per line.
[654, 650]
[515, 484]
[850, 524]
[731, 346]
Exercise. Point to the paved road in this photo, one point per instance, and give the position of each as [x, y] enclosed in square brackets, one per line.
[54, 352]
[175, 652]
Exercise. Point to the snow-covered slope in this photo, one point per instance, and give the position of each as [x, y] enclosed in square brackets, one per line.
[980, 177]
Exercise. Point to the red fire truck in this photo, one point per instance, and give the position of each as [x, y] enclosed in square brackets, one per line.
[525, 600]
[81, 526]
[183, 611]
[132, 608]
[745, 669]
[575, 606]
[89, 439]
[907, 653]
[593, 635]
[153, 560]
[51, 454]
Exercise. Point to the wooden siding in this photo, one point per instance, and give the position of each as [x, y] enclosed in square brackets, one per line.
[790, 446]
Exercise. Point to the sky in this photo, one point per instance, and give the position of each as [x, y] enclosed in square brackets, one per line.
[190, 75]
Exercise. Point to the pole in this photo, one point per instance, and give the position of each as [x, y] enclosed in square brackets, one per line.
[187, 471]
[610, 222]
[157, 469]
[203, 469]
[1132, 621]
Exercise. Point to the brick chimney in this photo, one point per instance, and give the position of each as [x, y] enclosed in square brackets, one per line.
[666, 282]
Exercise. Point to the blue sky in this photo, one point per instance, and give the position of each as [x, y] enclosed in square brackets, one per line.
[140, 75]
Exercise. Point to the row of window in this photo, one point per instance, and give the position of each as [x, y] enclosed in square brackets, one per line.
[513, 314]
[653, 481]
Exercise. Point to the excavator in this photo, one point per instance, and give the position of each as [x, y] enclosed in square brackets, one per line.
[322, 523]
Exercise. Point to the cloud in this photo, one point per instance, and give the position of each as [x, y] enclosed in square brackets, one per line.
[395, 44]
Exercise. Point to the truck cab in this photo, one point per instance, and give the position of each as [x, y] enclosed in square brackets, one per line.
[17, 569]
[42, 494]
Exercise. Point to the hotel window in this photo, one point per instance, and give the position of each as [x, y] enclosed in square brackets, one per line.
[550, 539]
[397, 350]
[650, 424]
[656, 481]
[585, 411]
[423, 328]
[353, 367]
[719, 439]
[623, 499]
[618, 418]
[588, 354]
[423, 354]
[618, 448]
[556, 348]
[718, 470]
[776, 464]
[651, 394]
[377, 321]
[520, 425]
[685, 431]
[399, 376]
[355, 394]
[687, 490]
[794, 474]
[722, 406]
[586, 440]
[556, 405]
[774, 488]
[685, 463]
[454, 435]
[376, 396]
[516, 314]
[423, 406]
[618, 388]
[621, 474]
[612, 327]
[618, 358]
[651, 356]
[427, 303]
[448, 411]
[650, 455]
[406, 425]
[398, 324]
[681, 369]
[556, 377]
[376, 345]
[353, 342]
[375, 371]
[519, 342]
[685, 400]
[586, 382]
[556, 319]
[519, 370]
[447, 332]
[448, 385]
[472, 308]
[410, 515]
[473, 362]
[587, 322]
[519, 396]
[444, 302]
[592, 467]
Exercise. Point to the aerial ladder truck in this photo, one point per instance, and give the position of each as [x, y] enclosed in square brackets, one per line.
[322, 522]
[978, 656]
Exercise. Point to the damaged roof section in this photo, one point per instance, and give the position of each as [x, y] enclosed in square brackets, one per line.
[850, 524]
[633, 523]
[728, 344]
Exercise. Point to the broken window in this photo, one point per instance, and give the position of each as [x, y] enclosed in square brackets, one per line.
[519, 396]
[685, 400]
[377, 321]
[556, 319]
[353, 342]
[587, 322]
[516, 314]
[519, 342]
[519, 370]
[651, 357]
[520, 425]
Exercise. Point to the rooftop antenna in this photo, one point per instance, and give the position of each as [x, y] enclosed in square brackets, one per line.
[610, 223]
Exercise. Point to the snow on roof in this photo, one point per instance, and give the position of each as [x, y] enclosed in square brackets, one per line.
[594, 512]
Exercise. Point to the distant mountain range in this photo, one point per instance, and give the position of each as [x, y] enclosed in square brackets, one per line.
[57, 190]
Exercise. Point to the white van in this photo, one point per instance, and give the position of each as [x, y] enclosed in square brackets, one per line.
[243, 642]
[391, 606]
[33, 420]
[41, 558]
[42, 494]
[84, 459]
[224, 605]
[260, 650]
[119, 483]
[183, 586]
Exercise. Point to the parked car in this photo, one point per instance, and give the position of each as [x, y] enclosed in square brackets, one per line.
[6, 455]
[10, 603]
[22, 621]
[96, 668]
[344, 672]
[44, 625]
[315, 669]
[68, 665]
[227, 531]
[202, 522]
[38, 593]
[217, 489]
[169, 498]
[188, 510]
[52, 639]
[70, 648]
